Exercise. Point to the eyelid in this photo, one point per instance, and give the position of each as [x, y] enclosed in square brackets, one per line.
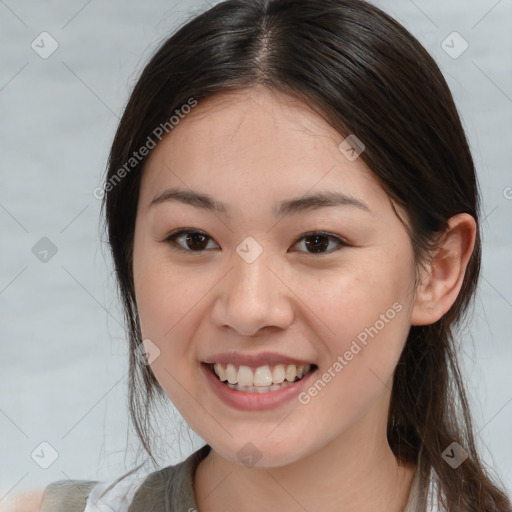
[321, 233]
[341, 242]
[175, 234]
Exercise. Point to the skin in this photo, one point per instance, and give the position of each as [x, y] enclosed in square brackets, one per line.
[251, 150]
[27, 502]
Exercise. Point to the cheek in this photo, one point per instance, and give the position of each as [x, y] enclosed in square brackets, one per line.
[162, 319]
[169, 309]
[164, 292]
[367, 295]
[165, 302]
[366, 309]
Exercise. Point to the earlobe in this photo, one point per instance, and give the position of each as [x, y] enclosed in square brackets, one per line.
[443, 277]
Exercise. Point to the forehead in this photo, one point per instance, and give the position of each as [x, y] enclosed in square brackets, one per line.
[259, 142]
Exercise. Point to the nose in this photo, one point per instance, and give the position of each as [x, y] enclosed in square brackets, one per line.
[253, 298]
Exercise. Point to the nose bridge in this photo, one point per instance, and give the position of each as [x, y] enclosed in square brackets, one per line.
[251, 273]
[252, 297]
[251, 277]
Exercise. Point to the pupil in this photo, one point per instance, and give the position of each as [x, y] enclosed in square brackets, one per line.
[193, 238]
[317, 244]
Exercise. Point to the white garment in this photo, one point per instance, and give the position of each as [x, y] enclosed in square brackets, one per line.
[118, 499]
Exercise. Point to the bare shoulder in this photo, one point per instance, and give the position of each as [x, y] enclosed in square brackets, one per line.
[29, 501]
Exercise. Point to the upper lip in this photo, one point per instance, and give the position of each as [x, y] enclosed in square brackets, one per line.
[254, 360]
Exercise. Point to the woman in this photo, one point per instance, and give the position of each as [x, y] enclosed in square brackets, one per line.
[293, 214]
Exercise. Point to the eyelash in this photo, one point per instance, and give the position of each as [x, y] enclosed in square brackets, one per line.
[173, 236]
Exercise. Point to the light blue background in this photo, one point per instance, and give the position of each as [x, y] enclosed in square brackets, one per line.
[63, 356]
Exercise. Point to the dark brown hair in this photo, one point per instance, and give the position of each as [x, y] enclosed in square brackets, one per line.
[366, 75]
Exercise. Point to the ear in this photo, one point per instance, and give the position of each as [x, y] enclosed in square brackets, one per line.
[442, 279]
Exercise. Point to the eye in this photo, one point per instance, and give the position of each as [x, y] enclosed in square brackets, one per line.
[195, 241]
[317, 241]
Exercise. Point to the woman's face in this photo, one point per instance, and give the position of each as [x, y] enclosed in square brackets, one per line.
[265, 292]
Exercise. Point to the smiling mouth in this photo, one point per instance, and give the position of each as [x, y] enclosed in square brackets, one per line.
[262, 379]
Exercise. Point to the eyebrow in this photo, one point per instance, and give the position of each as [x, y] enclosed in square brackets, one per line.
[290, 206]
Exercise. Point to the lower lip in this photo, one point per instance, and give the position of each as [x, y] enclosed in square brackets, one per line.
[253, 401]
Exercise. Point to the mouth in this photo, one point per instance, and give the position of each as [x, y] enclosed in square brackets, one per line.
[261, 379]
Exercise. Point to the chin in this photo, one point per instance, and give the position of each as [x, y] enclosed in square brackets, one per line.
[260, 452]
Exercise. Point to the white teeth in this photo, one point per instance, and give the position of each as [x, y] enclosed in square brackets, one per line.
[278, 374]
[231, 374]
[262, 377]
[259, 389]
[245, 376]
[291, 373]
[219, 370]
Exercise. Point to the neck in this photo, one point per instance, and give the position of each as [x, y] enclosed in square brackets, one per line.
[357, 471]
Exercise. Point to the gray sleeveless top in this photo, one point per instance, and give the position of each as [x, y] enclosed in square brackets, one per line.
[170, 489]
